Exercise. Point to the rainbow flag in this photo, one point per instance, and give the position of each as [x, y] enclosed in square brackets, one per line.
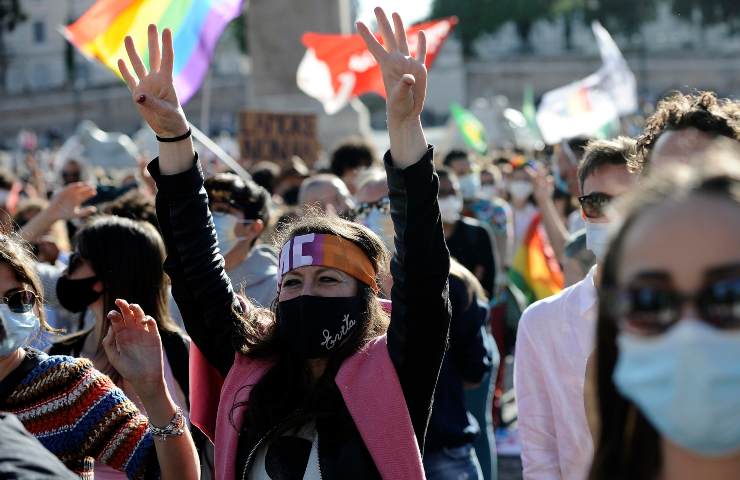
[535, 271]
[196, 27]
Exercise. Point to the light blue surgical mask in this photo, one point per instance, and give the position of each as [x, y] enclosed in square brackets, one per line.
[18, 327]
[469, 185]
[597, 238]
[687, 384]
[560, 182]
[381, 224]
[225, 225]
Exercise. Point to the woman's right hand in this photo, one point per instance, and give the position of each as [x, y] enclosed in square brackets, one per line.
[154, 91]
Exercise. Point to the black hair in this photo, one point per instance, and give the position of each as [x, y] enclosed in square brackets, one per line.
[598, 153]
[455, 154]
[351, 154]
[245, 195]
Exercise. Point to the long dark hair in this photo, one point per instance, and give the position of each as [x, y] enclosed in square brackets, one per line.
[127, 257]
[627, 444]
[286, 394]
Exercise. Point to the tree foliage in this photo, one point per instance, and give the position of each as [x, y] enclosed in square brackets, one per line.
[480, 17]
[10, 14]
[712, 12]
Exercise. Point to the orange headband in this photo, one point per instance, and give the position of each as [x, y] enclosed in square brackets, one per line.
[327, 251]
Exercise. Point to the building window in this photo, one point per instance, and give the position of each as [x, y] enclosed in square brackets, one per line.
[39, 32]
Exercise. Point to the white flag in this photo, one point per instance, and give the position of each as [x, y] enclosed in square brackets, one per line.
[617, 79]
[590, 106]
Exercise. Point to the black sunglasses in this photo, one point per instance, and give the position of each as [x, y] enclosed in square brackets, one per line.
[384, 205]
[20, 301]
[648, 310]
[593, 205]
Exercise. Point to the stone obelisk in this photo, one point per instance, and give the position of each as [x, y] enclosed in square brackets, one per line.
[274, 29]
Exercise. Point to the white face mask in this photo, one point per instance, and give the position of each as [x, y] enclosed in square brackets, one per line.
[18, 327]
[469, 185]
[225, 230]
[597, 238]
[450, 208]
[520, 189]
[381, 224]
[488, 191]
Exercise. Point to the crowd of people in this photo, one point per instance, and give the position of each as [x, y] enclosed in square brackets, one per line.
[177, 322]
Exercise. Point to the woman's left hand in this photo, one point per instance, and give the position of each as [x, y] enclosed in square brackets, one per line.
[134, 349]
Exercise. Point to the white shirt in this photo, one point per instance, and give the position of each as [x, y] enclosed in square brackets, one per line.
[260, 470]
[554, 341]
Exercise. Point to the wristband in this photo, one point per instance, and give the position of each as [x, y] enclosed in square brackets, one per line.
[175, 428]
[175, 139]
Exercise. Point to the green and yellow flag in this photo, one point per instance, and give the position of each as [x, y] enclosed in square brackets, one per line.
[470, 127]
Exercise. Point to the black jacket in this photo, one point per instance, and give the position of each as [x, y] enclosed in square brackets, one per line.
[417, 335]
[468, 359]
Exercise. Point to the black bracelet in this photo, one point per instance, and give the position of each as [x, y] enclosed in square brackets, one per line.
[175, 139]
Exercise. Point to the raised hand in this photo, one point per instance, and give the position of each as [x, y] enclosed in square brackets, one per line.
[405, 80]
[404, 77]
[67, 203]
[134, 349]
[153, 91]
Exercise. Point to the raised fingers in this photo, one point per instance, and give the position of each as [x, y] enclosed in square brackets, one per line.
[421, 48]
[116, 321]
[403, 44]
[126, 313]
[127, 77]
[133, 56]
[168, 52]
[154, 55]
[389, 39]
[371, 42]
[139, 316]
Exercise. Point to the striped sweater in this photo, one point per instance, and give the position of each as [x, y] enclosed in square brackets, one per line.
[79, 415]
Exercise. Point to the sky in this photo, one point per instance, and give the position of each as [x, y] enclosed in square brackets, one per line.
[410, 10]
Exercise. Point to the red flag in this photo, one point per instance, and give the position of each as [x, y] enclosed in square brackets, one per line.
[337, 68]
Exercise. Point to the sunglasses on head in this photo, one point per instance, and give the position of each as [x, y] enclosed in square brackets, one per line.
[594, 204]
[651, 310]
[20, 301]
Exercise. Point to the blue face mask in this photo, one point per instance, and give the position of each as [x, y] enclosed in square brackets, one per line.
[225, 225]
[18, 328]
[687, 384]
[560, 182]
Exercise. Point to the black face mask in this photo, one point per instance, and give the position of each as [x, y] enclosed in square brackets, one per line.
[314, 327]
[76, 295]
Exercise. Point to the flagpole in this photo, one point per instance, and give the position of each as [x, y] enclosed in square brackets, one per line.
[219, 152]
[205, 104]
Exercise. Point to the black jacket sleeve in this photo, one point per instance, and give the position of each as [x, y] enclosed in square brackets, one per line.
[200, 286]
[420, 319]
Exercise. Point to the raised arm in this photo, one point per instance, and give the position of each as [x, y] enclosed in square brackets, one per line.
[134, 348]
[420, 321]
[200, 285]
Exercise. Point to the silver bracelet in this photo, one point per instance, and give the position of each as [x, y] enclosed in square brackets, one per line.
[175, 428]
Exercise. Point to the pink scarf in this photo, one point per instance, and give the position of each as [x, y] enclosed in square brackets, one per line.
[367, 381]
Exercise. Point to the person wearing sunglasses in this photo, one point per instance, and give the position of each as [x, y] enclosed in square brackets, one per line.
[241, 212]
[555, 336]
[76, 411]
[667, 364]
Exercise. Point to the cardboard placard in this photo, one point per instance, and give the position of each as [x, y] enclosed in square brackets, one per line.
[277, 137]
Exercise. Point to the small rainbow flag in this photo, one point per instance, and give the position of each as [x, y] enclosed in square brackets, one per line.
[196, 27]
[535, 271]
